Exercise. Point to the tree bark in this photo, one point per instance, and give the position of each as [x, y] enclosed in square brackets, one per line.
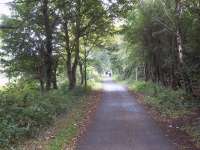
[77, 47]
[81, 72]
[178, 32]
[41, 85]
[183, 72]
[136, 73]
[48, 32]
[69, 54]
[85, 68]
[54, 81]
[42, 68]
[54, 74]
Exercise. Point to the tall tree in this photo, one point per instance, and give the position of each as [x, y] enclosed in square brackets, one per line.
[48, 33]
[80, 20]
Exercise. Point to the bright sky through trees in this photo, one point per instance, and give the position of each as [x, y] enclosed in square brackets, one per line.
[4, 10]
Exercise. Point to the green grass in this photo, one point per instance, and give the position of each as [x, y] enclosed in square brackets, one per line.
[63, 137]
[166, 101]
[70, 129]
[95, 84]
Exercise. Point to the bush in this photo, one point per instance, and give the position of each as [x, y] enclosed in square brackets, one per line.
[24, 110]
[165, 100]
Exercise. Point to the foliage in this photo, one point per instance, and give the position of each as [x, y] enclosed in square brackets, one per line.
[151, 45]
[192, 129]
[71, 129]
[166, 101]
[48, 35]
[24, 111]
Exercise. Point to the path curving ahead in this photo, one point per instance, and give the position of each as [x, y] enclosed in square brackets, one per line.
[122, 124]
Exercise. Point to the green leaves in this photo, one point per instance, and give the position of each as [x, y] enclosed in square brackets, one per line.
[24, 111]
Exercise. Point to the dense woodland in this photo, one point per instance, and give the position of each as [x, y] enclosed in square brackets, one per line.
[161, 42]
[59, 45]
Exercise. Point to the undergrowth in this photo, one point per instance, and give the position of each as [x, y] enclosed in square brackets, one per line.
[24, 110]
[70, 129]
[167, 101]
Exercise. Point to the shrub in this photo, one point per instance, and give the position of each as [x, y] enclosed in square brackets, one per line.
[24, 110]
[167, 101]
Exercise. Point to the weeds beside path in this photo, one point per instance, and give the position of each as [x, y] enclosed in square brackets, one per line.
[31, 120]
[68, 128]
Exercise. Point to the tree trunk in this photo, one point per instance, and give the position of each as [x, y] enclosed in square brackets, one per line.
[48, 32]
[183, 72]
[42, 68]
[69, 54]
[85, 68]
[147, 77]
[69, 69]
[136, 73]
[178, 32]
[75, 64]
[54, 75]
[81, 72]
[179, 44]
[54, 81]
[77, 47]
[41, 85]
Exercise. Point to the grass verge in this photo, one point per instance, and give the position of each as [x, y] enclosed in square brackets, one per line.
[167, 102]
[76, 123]
[68, 127]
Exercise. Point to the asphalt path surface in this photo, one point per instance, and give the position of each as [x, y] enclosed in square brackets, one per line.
[122, 124]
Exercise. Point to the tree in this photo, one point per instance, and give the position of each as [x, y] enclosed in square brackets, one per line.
[25, 42]
[80, 20]
[158, 41]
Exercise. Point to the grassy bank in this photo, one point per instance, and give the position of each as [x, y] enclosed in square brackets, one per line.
[24, 112]
[76, 124]
[166, 101]
[180, 110]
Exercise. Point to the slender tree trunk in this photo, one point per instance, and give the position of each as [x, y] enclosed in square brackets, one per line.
[42, 68]
[54, 75]
[146, 72]
[48, 32]
[69, 68]
[85, 68]
[136, 73]
[178, 32]
[41, 85]
[183, 72]
[69, 54]
[54, 81]
[179, 44]
[81, 72]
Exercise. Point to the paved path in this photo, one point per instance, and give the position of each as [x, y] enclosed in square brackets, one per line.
[122, 124]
